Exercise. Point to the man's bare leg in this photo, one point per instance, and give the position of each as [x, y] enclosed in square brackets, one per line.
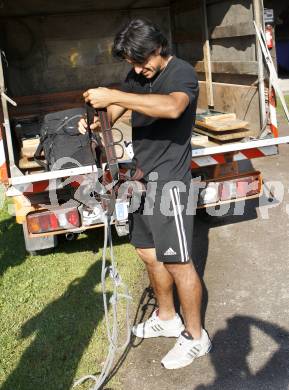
[161, 281]
[190, 294]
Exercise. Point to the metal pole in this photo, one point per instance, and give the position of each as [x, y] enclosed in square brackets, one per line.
[14, 171]
[207, 57]
[258, 17]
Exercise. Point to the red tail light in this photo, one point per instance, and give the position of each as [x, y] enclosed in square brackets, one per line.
[53, 222]
[230, 189]
[48, 221]
[240, 188]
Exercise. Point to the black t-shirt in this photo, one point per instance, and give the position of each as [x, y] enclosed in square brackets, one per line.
[163, 145]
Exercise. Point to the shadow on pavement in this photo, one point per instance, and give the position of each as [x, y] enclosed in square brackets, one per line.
[231, 349]
[203, 223]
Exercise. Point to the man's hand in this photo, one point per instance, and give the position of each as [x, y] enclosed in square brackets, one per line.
[169, 106]
[82, 125]
[99, 97]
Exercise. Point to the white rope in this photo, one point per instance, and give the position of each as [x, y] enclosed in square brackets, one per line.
[112, 333]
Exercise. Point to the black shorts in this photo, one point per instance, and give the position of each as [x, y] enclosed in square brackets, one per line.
[165, 221]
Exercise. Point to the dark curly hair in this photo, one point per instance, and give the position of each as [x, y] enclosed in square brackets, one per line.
[138, 39]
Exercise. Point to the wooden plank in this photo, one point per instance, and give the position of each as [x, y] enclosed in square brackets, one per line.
[199, 139]
[222, 125]
[220, 117]
[237, 79]
[203, 144]
[29, 163]
[45, 103]
[49, 102]
[185, 36]
[209, 116]
[207, 56]
[227, 136]
[29, 147]
[236, 49]
[232, 30]
[235, 67]
[186, 6]
[226, 12]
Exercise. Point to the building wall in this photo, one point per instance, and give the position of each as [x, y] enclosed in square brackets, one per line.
[60, 53]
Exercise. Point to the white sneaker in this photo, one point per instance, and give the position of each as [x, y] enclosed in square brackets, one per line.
[154, 327]
[186, 350]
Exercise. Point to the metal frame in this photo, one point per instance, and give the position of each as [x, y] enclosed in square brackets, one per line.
[14, 171]
[29, 179]
[235, 147]
[207, 57]
[258, 18]
[239, 146]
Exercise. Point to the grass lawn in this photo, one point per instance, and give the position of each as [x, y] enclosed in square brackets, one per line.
[52, 325]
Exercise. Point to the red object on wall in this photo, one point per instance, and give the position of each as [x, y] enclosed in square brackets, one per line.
[269, 36]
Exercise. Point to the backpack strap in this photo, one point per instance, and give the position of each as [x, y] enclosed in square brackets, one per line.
[96, 146]
[37, 155]
[109, 144]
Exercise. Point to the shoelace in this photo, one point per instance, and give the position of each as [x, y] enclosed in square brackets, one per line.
[151, 320]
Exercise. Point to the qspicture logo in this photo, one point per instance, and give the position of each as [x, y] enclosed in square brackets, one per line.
[86, 190]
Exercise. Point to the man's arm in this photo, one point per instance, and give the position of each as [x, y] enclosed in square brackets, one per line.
[115, 112]
[169, 106]
[160, 106]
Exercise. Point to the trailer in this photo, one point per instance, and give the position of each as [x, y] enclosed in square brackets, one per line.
[52, 51]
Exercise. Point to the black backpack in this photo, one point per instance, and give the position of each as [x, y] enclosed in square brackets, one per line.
[63, 146]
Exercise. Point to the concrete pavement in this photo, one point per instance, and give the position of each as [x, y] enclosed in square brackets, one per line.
[245, 264]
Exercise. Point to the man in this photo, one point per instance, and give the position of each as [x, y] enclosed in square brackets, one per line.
[162, 91]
